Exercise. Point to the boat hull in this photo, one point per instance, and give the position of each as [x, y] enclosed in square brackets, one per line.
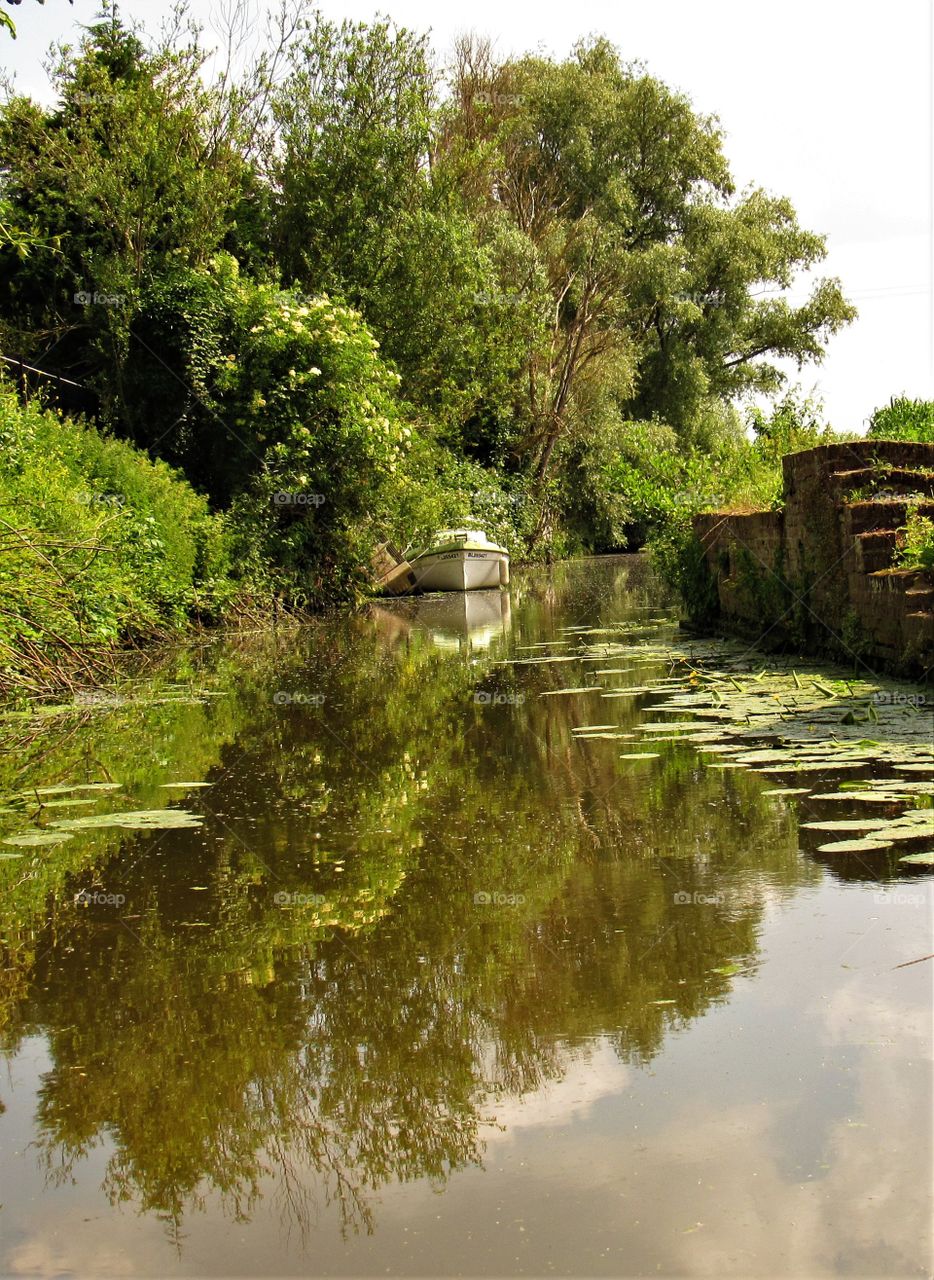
[460, 570]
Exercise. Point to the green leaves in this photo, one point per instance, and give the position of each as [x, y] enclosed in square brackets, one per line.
[551, 253]
[904, 419]
[917, 546]
[97, 542]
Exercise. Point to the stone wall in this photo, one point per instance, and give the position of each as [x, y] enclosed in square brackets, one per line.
[818, 573]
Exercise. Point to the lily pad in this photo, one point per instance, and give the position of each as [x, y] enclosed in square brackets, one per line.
[866, 845]
[906, 831]
[863, 797]
[588, 737]
[68, 802]
[32, 839]
[590, 688]
[847, 824]
[133, 820]
[925, 859]
[809, 766]
[765, 757]
[64, 789]
[635, 692]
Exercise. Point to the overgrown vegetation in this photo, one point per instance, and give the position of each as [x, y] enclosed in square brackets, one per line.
[351, 297]
[665, 484]
[904, 419]
[916, 549]
[98, 544]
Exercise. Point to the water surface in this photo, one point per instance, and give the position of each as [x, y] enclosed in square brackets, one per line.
[431, 986]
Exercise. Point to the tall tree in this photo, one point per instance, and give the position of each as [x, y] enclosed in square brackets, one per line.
[653, 265]
[363, 214]
[354, 119]
[130, 175]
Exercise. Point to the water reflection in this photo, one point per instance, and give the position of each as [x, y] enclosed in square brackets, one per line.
[406, 907]
[459, 621]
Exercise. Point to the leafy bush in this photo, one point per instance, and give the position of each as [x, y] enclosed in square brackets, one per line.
[438, 488]
[904, 419]
[916, 542]
[658, 479]
[281, 406]
[98, 543]
[663, 484]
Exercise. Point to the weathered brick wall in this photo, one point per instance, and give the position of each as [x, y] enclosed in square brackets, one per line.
[817, 573]
[731, 542]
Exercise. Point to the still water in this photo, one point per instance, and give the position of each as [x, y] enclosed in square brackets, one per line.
[426, 985]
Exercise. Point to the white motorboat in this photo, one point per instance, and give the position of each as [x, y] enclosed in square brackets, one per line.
[461, 560]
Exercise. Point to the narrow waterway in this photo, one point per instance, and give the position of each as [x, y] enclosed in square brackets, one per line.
[364, 948]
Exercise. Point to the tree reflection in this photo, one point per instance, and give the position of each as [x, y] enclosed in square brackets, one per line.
[305, 994]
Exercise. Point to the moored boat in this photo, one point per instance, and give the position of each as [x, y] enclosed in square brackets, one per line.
[461, 560]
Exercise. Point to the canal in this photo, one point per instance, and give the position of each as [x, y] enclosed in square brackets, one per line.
[485, 935]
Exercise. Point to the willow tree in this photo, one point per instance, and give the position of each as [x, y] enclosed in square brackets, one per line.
[663, 286]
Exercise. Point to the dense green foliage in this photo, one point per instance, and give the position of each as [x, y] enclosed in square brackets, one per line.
[744, 474]
[666, 483]
[97, 542]
[917, 542]
[904, 419]
[297, 396]
[523, 291]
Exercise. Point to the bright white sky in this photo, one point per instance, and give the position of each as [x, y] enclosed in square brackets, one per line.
[830, 102]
